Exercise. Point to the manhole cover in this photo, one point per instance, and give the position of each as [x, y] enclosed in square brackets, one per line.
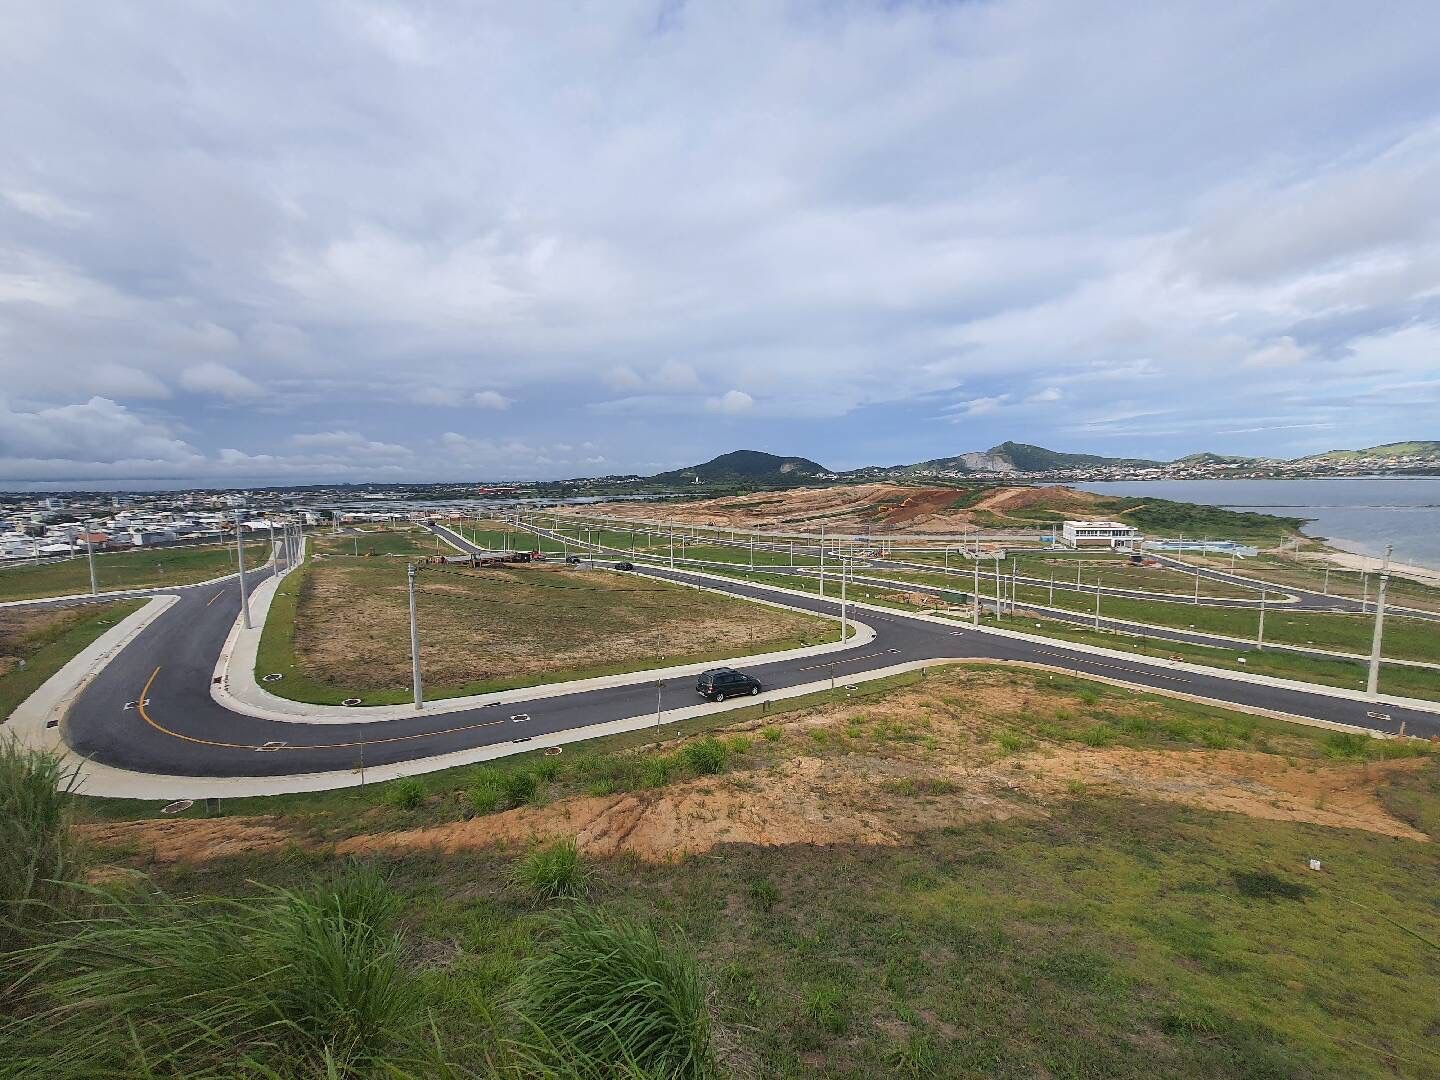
[274, 676]
[351, 701]
[179, 806]
[554, 751]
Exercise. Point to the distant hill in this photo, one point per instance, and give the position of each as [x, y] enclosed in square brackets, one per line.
[1010, 457]
[745, 467]
[1213, 459]
[755, 468]
[1424, 447]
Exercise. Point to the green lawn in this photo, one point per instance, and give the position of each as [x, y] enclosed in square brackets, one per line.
[114, 571]
[46, 640]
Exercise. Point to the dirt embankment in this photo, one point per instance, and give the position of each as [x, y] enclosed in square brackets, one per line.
[858, 507]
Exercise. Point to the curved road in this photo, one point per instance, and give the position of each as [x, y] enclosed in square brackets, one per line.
[150, 708]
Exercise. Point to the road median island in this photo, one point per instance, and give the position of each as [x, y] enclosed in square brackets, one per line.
[338, 628]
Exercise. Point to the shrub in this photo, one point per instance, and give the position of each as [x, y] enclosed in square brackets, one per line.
[606, 990]
[553, 872]
[37, 859]
[656, 770]
[771, 734]
[406, 793]
[706, 756]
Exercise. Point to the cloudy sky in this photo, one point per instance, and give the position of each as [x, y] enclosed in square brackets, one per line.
[247, 243]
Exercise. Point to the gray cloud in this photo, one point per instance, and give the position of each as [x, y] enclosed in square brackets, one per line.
[528, 227]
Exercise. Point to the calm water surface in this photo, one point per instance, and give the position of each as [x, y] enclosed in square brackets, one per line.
[1358, 514]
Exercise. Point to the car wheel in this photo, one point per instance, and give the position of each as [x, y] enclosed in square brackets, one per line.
[754, 690]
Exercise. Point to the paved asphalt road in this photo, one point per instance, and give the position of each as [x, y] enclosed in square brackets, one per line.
[150, 709]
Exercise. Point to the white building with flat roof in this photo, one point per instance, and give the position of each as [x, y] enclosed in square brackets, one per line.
[1110, 534]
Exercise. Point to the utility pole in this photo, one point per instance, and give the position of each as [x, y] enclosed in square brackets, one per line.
[414, 639]
[822, 558]
[240, 562]
[90, 554]
[1372, 683]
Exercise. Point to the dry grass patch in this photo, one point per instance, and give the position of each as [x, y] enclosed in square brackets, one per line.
[518, 626]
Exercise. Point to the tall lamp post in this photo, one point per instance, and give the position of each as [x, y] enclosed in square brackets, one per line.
[414, 639]
[90, 555]
[1372, 682]
[240, 562]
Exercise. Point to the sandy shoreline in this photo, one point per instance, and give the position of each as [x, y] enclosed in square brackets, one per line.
[1350, 561]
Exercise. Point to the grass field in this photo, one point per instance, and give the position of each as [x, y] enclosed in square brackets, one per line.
[1039, 895]
[1339, 582]
[46, 640]
[148, 568]
[1396, 679]
[1405, 638]
[338, 628]
[1116, 574]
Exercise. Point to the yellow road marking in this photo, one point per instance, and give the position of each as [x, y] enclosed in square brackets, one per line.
[145, 693]
[215, 597]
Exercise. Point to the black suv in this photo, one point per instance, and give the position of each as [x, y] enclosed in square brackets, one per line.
[719, 683]
[624, 566]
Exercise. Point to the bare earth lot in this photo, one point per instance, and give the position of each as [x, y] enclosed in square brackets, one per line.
[515, 626]
[853, 508]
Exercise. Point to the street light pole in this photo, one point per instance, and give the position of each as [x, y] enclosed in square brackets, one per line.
[1260, 632]
[1097, 603]
[1372, 683]
[414, 639]
[90, 555]
[240, 562]
[844, 574]
[975, 594]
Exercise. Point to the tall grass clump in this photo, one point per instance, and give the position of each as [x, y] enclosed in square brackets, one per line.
[607, 990]
[293, 983]
[706, 756]
[553, 872]
[37, 858]
[405, 793]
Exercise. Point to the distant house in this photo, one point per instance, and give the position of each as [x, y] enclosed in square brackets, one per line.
[1109, 534]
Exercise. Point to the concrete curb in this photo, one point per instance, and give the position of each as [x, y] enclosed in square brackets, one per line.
[239, 691]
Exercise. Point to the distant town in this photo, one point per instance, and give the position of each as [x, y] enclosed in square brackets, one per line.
[62, 524]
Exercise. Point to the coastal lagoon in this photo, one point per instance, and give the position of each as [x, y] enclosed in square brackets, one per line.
[1359, 514]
